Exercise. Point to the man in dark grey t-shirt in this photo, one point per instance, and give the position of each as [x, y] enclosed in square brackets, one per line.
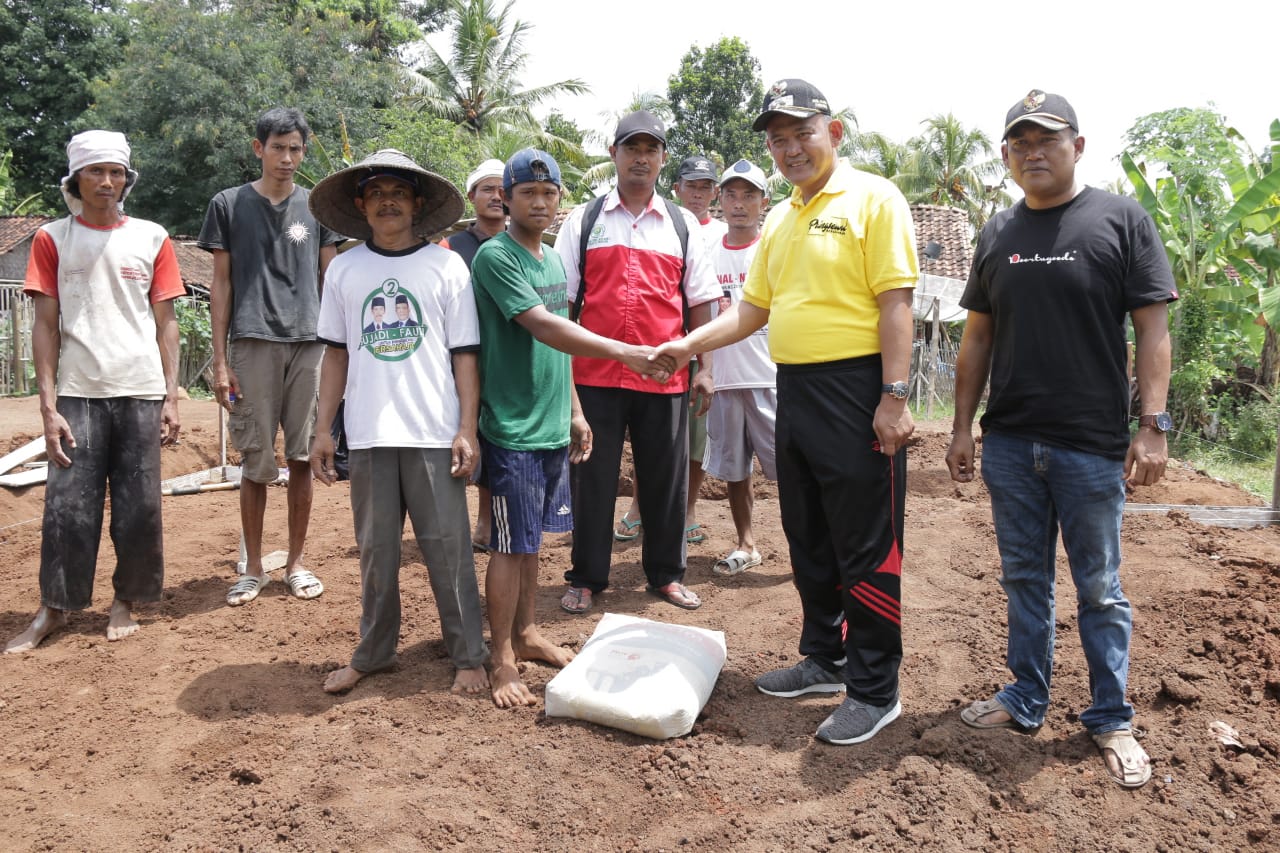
[269, 258]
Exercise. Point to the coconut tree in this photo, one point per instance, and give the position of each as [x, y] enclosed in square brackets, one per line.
[600, 172]
[478, 84]
[953, 166]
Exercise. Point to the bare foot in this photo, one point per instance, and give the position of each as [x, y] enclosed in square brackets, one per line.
[46, 622]
[508, 690]
[120, 623]
[533, 646]
[472, 680]
[342, 680]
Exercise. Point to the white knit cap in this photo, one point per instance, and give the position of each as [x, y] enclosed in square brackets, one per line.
[96, 146]
[487, 169]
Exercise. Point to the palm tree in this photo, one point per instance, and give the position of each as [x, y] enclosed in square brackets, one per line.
[955, 167]
[478, 85]
[600, 172]
[878, 154]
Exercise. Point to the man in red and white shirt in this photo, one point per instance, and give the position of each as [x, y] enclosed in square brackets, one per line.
[105, 342]
[633, 292]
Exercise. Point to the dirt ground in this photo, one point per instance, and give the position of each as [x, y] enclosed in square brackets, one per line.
[208, 729]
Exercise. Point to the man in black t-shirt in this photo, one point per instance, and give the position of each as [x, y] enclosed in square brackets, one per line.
[1053, 279]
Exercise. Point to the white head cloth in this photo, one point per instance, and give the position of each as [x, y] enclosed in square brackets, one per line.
[96, 146]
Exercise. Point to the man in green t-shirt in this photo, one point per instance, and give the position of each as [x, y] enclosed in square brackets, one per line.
[531, 426]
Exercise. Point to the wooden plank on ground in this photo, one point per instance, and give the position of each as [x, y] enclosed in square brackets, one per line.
[25, 453]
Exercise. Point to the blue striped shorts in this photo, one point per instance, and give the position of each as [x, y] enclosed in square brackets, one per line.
[530, 491]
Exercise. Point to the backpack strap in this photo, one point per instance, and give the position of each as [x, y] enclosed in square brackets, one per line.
[682, 231]
[674, 213]
[589, 218]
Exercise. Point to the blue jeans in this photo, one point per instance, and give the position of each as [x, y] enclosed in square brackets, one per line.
[1035, 489]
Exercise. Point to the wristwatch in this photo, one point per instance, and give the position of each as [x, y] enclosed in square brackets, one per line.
[1160, 421]
[896, 390]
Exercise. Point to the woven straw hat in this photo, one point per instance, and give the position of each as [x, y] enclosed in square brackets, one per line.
[333, 199]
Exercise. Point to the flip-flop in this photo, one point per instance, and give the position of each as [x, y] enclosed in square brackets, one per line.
[736, 563]
[972, 716]
[303, 584]
[1135, 764]
[246, 589]
[678, 594]
[693, 534]
[630, 529]
[576, 600]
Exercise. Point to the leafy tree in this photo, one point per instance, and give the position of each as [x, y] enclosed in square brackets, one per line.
[386, 24]
[951, 165]
[10, 202]
[876, 153]
[479, 83]
[714, 97]
[1219, 222]
[562, 127]
[50, 50]
[195, 77]
[601, 172]
[1194, 144]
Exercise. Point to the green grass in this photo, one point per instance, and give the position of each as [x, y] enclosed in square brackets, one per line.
[1254, 475]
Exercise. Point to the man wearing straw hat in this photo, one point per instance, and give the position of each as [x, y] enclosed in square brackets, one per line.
[412, 402]
[105, 342]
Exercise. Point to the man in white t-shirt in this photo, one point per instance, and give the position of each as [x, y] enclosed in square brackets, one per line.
[412, 394]
[105, 342]
[744, 409]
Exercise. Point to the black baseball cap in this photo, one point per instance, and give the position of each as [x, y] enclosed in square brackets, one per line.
[696, 168]
[1050, 111]
[638, 122]
[792, 97]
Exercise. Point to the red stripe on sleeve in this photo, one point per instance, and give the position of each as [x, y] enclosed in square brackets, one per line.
[42, 266]
[166, 278]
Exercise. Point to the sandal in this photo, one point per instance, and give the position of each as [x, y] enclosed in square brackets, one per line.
[693, 534]
[626, 529]
[576, 600]
[972, 716]
[303, 584]
[1135, 764]
[246, 589]
[678, 594]
[736, 563]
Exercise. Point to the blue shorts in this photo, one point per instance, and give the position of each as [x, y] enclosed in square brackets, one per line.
[530, 491]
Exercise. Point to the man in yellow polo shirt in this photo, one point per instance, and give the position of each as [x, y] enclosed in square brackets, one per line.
[833, 278]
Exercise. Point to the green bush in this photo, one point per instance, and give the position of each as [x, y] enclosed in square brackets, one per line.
[1251, 428]
[195, 329]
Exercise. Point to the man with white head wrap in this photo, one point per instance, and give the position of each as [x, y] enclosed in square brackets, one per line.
[105, 342]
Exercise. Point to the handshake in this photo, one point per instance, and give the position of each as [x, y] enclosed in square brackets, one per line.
[658, 363]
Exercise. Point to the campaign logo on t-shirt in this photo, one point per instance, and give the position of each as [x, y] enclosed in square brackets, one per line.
[393, 330]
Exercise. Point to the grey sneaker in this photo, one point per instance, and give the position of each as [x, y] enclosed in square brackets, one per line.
[805, 677]
[855, 721]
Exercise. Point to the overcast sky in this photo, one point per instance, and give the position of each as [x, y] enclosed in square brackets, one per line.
[896, 64]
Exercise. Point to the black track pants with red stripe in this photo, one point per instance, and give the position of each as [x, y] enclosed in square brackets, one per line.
[842, 510]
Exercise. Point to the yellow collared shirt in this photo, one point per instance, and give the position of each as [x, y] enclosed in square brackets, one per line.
[821, 265]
